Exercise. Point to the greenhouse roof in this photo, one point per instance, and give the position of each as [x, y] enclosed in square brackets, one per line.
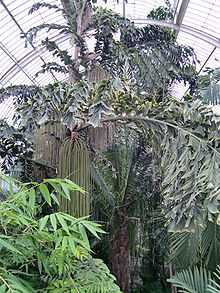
[197, 23]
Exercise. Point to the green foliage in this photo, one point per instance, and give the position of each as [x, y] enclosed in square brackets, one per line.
[61, 102]
[154, 57]
[196, 280]
[52, 66]
[161, 13]
[214, 287]
[120, 172]
[21, 92]
[47, 253]
[199, 246]
[15, 146]
[193, 166]
[90, 276]
[187, 131]
[209, 87]
[148, 60]
[192, 281]
[39, 5]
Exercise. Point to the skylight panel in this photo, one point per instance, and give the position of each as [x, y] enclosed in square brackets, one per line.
[206, 11]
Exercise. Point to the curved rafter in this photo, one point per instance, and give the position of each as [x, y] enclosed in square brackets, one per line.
[33, 55]
[212, 40]
[181, 8]
[22, 31]
[25, 60]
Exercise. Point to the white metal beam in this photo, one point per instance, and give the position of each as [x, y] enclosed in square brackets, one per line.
[27, 59]
[20, 28]
[212, 40]
[182, 12]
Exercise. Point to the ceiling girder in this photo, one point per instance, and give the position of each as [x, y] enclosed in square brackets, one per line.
[20, 28]
[2, 47]
[212, 40]
[27, 59]
[182, 12]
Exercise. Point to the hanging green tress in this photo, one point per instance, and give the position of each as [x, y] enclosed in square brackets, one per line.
[74, 164]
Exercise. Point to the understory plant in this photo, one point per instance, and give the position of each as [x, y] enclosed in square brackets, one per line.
[43, 250]
[197, 280]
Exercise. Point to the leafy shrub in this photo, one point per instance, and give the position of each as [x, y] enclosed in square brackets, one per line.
[47, 253]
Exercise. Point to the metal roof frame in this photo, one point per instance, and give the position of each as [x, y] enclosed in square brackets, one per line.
[186, 29]
[179, 6]
[180, 15]
[2, 47]
[20, 28]
[29, 57]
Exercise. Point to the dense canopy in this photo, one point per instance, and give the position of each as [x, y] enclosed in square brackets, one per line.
[109, 146]
[197, 23]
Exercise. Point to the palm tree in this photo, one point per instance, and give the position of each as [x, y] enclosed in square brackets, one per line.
[142, 66]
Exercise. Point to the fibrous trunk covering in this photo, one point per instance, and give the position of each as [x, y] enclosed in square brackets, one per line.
[97, 74]
[101, 138]
[48, 140]
[75, 165]
[119, 255]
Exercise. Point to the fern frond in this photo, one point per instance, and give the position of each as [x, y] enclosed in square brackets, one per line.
[64, 56]
[52, 66]
[31, 34]
[40, 5]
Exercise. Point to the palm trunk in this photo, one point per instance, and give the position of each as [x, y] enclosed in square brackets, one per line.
[119, 254]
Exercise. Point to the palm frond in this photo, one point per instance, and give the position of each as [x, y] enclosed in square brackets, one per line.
[195, 280]
[214, 286]
[209, 86]
[40, 5]
[202, 245]
[52, 67]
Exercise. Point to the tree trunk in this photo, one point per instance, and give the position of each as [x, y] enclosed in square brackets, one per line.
[119, 254]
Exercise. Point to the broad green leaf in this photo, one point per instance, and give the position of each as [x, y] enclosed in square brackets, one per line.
[43, 222]
[58, 189]
[24, 220]
[45, 193]
[66, 190]
[65, 242]
[53, 221]
[72, 245]
[32, 198]
[62, 223]
[3, 289]
[84, 236]
[7, 245]
[54, 197]
[93, 229]
[73, 186]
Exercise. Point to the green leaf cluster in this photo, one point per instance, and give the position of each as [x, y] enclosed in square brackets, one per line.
[47, 253]
[197, 280]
